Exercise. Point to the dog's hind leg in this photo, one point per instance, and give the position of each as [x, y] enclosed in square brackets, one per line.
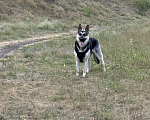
[96, 59]
[102, 62]
[98, 53]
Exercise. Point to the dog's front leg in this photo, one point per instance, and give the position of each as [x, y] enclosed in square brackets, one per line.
[86, 67]
[86, 63]
[77, 64]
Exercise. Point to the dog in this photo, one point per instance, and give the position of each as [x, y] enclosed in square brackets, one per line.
[85, 46]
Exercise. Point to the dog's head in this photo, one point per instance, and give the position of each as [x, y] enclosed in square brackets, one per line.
[82, 36]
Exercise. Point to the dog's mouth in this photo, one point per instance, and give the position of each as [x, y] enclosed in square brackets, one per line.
[81, 44]
[81, 41]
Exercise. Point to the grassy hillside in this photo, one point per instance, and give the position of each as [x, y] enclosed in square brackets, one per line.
[38, 82]
[22, 19]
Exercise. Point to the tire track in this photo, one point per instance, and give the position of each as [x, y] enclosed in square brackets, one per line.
[7, 49]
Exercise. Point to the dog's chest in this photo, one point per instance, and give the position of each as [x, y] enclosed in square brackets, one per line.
[81, 55]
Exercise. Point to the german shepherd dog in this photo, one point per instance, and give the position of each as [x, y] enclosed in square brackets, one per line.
[85, 46]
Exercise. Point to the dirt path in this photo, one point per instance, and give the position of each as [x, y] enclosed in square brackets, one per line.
[7, 47]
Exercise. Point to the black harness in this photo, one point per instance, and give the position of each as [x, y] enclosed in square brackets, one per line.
[84, 50]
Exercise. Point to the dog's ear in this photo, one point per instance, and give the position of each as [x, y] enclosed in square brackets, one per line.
[87, 28]
[79, 28]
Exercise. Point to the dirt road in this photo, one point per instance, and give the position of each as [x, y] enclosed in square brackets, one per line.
[7, 47]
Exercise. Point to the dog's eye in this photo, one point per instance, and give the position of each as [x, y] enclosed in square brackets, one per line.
[84, 34]
[80, 34]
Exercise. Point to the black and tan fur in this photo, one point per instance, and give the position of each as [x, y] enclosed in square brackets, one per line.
[85, 46]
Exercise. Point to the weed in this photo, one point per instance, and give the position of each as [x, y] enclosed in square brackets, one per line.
[31, 4]
[3, 75]
[88, 12]
[99, 115]
[56, 99]
[141, 5]
[56, 26]
[2, 118]
[13, 75]
[4, 17]
[28, 55]
[48, 113]
[5, 26]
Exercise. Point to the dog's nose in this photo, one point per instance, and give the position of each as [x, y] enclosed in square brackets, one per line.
[82, 39]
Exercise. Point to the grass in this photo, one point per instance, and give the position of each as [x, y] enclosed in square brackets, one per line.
[30, 18]
[39, 82]
[22, 30]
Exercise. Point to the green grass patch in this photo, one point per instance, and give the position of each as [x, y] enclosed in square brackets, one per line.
[88, 12]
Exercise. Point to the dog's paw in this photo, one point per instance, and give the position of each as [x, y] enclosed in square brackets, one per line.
[87, 70]
[77, 74]
[84, 74]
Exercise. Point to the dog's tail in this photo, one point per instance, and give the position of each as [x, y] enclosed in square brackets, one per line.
[96, 59]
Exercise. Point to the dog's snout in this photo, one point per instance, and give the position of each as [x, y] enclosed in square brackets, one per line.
[82, 39]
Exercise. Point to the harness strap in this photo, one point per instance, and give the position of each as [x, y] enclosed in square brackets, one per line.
[81, 52]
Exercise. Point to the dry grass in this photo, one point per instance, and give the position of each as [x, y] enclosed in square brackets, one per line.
[39, 82]
[25, 19]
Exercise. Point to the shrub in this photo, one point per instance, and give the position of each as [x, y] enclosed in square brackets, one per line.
[141, 5]
[31, 3]
[4, 17]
